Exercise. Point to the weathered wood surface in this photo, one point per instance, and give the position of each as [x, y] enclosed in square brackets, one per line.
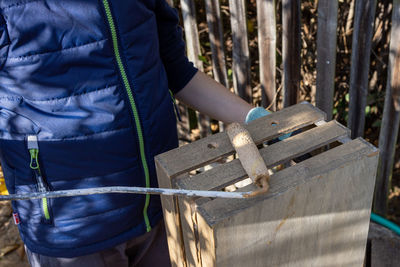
[189, 228]
[215, 29]
[322, 203]
[240, 50]
[266, 21]
[215, 32]
[193, 52]
[275, 154]
[326, 55]
[191, 32]
[391, 117]
[360, 59]
[176, 162]
[228, 173]
[206, 150]
[171, 220]
[184, 124]
[248, 155]
[123, 190]
[291, 49]
[384, 247]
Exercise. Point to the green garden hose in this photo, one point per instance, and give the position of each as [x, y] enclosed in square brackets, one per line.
[384, 222]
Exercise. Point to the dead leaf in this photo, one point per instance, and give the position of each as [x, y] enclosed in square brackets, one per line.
[7, 249]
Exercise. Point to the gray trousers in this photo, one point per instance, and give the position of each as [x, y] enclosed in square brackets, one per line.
[150, 249]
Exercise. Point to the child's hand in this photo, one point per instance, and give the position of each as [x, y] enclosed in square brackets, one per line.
[259, 112]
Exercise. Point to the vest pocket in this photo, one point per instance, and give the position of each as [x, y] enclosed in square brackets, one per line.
[42, 186]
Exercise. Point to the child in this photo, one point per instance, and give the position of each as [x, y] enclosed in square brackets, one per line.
[85, 102]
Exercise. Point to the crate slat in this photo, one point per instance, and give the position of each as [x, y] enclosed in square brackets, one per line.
[275, 154]
[315, 214]
[322, 202]
[199, 153]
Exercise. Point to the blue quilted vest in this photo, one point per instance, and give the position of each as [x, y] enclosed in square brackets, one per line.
[87, 83]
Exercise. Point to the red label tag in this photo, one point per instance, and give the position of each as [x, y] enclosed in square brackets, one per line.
[16, 218]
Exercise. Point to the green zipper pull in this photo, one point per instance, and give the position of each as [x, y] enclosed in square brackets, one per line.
[33, 147]
[34, 159]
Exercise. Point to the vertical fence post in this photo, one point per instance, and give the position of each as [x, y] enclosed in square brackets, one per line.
[193, 50]
[215, 29]
[326, 54]
[391, 117]
[266, 21]
[291, 49]
[240, 50]
[191, 32]
[360, 59]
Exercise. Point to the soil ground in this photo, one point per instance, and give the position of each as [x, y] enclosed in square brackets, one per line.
[12, 251]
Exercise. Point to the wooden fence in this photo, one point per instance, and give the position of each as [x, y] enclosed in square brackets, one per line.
[363, 27]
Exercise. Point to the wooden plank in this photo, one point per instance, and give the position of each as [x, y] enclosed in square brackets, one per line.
[207, 243]
[391, 117]
[215, 29]
[191, 32]
[322, 203]
[219, 209]
[184, 123]
[240, 50]
[171, 220]
[291, 49]
[360, 59]
[275, 154]
[193, 50]
[189, 228]
[204, 151]
[266, 21]
[214, 22]
[326, 55]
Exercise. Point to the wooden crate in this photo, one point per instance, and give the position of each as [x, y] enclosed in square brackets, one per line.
[316, 212]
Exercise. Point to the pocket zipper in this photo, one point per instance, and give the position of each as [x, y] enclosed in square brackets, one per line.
[33, 148]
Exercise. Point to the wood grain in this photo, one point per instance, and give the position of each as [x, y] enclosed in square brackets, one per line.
[326, 55]
[275, 154]
[193, 52]
[171, 220]
[391, 118]
[240, 50]
[266, 21]
[291, 49]
[360, 59]
[248, 155]
[204, 151]
[189, 229]
[322, 203]
[215, 29]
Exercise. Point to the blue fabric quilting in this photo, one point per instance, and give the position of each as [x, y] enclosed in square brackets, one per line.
[59, 80]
